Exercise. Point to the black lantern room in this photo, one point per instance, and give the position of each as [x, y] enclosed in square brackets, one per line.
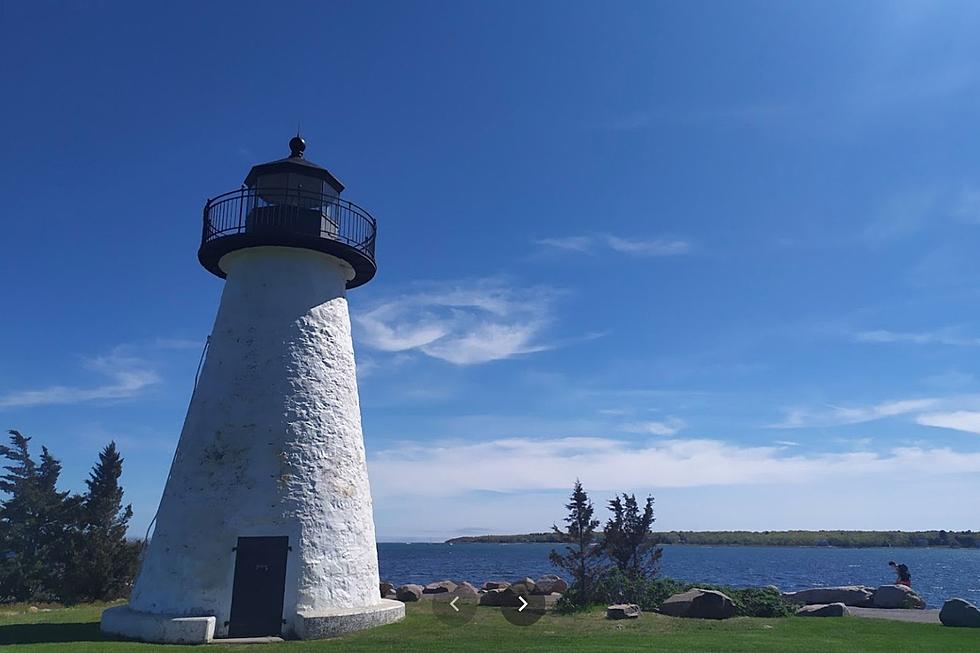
[291, 202]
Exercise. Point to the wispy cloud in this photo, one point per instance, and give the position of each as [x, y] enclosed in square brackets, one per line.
[830, 415]
[948, 336]
[960, 420]
[464, 323]
[126, 375]
[594, 243]
[603, 464]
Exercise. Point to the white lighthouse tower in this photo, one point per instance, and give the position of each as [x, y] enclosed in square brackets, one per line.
[266, 526]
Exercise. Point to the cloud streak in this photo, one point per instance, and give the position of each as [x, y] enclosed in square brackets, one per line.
[949, 337]
[595, 243]
[959, 420]
[126, 376]
[463, 324]
[609, 464]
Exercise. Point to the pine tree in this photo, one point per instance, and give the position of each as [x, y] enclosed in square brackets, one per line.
[104, 563]
[580, 559]
[34, 524]
[627, 537]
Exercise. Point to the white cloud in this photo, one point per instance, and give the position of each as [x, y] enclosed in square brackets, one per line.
[464, 324]
[669, 426]
[592, 243]
[126, 376]
[841, 415]
[960, 420]
[607, 464]
[948, 336]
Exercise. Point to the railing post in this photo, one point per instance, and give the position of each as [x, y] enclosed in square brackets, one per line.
[241, 203]
[204, 228]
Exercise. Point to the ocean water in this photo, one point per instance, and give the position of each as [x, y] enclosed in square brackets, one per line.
[937, 574]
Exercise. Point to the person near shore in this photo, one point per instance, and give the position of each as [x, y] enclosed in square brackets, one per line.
[903, 577]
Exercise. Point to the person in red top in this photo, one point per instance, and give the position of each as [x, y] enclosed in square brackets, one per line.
[903, 577]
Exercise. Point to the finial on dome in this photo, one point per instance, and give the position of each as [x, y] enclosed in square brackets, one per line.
[296, 147]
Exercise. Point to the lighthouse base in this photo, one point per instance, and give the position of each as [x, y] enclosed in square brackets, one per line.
[334, 623]
[122, 621]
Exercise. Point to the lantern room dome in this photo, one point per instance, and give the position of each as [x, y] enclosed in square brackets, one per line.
[290, 202]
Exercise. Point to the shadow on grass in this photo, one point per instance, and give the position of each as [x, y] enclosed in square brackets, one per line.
[49, 633]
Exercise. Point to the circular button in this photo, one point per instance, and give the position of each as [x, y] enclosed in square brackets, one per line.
[526, 611]
[456, 608]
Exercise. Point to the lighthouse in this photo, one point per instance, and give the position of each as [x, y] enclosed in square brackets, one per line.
[265, 527]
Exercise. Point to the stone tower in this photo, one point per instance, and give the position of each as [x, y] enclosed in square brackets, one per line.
[266, 526]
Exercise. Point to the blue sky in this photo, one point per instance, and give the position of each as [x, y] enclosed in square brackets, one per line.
[725, 253]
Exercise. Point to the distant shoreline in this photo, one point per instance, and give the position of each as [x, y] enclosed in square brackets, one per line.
[839, 539]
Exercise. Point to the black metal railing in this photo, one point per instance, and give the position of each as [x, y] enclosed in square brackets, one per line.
[294, 217]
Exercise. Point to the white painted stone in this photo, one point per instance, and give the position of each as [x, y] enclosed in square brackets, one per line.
[125, 622]
[271, 446]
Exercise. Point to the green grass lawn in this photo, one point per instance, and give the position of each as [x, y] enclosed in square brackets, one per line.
[76, 630]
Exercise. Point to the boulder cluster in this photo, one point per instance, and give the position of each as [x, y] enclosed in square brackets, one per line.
[695, 603]
[494, 593]
[834, 601]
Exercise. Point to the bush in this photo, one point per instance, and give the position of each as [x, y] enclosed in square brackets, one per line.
[650, 594]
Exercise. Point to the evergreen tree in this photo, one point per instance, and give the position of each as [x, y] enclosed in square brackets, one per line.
[104, 563]
[627, 537]
[581, 558]
[34, 524]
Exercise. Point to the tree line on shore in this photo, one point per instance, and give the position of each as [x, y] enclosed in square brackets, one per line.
[59, 546]
[620, 563]
[842, 539]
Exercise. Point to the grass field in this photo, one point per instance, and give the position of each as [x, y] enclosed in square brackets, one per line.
[76, 630]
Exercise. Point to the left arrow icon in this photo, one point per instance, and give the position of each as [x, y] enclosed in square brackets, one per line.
[452, 604]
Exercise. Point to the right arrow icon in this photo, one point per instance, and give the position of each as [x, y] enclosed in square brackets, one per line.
[523, 604]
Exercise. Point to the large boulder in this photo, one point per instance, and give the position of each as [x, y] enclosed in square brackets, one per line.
[623, 611]
[439, 587]
[509, 595]
[493, 597]
[466, 592]
[699, 604]
[386, 588]
[526, 582]
[854, 595]
[549, 584]
[960, 613]
[409, 593]
[829, 610]
[495, 585]
[897, 596]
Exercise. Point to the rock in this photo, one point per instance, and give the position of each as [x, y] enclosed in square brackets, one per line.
[960, 613]
[623, 611]
[550, 583]
[509, 595]
[393, 596]
[33, 608]
[828, 610]
[386, 588]
[526, 582]
[409, 593]
[551, 600]
[493, 597]
[466, 592]
[495, 585]
[699, 604]
[855, 595]
[439, 587]
[897, 596]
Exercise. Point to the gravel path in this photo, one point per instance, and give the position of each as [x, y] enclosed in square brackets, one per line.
[913, 616]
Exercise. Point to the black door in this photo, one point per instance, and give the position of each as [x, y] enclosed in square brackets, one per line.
[260, 582]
